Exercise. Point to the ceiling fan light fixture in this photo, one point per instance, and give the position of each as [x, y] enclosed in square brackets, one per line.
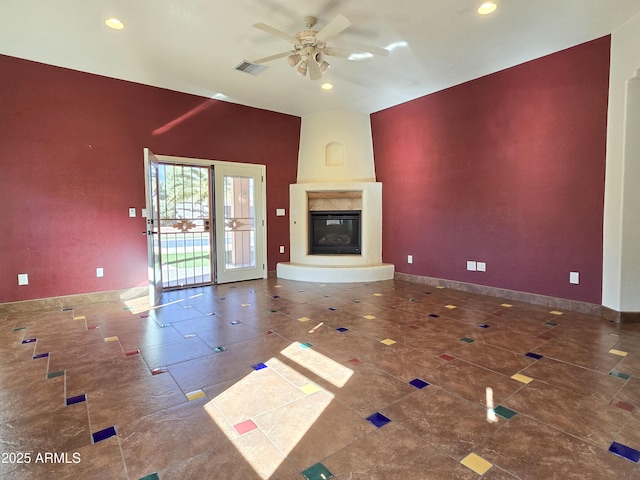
[293, 59]
[486, 8]
[302, 68]
[114, 23]
[324, 66]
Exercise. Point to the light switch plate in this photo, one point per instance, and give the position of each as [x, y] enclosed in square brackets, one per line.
[409, 258]
[574, 277]
[280, 212]
[23, 279]
[99, 272]
[481, 266]
[472, 265]
[281, 248]
[143, 212]
[132, 212]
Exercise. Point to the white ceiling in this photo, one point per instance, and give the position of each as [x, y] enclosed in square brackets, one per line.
[193, 45]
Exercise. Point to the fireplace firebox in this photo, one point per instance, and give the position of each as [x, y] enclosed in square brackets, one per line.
[335, 232]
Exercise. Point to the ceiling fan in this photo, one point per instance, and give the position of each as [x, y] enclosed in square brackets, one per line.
[310, 46]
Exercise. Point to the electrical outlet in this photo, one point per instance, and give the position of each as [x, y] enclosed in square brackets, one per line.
[574, 277]
[281, 248]
[409, 258]
[472, 265]
[99, 272]
[132, 212]
[280, 212]
[482, 267]
[23, 279]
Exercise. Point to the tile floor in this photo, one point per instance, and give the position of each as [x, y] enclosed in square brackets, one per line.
[290, 380]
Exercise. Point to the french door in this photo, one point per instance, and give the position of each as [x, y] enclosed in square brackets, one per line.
[205, 222]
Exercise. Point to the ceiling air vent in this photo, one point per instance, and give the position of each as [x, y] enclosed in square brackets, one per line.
[250, 68]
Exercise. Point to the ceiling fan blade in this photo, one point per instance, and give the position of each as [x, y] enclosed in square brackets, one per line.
[275, 32]
[314, 70]
[333, 28]
[337, 52]
[273, 57]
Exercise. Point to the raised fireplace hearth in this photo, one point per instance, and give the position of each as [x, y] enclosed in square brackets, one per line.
[335, 232]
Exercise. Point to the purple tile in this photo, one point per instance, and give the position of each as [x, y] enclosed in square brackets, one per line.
[378, 419]
[354, 361]
[67, 309]
[434, 315]
[235, 322]
[41, 355]
[342, 329]
[624, 451]
[29, 340]
[483, 325]
[332, 308]
[418, 383]
[76, 399]
[258, 366]
[533, 355]
[159, 370]
[104, 434]
[219, 349]
[275, 296]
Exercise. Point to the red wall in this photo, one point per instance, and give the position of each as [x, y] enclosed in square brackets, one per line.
[507, 169]
[71, 165]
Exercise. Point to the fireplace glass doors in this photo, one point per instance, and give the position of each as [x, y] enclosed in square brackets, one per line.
[335, 232]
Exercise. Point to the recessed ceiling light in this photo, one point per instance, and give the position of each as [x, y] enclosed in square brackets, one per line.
[327, 86]
[486, 8]
[114, 23]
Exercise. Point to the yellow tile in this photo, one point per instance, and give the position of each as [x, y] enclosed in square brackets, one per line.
[476, 463]
[79, 317]
[506, 305]
[277, 286]
[195, 395]
[377, 294]
[450, 306]
[388, 341]
[618, 352]
[369, 317]
[555, 312]
[310, 388]
[522, 378]
[246, 304]
[304, 319]
[439, 286]
[111, 339]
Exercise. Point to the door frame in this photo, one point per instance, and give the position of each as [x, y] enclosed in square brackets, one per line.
[221, 163]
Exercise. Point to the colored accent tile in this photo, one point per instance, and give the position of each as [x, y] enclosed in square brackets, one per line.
[483, 325]
[258, 366]
[446, 357]
[378, 419]
[434, 315]
[377, 294]
[467, 340]
[41, 355]
[476, 463]
[369, 317]
[93, 327]
[412, 299]
[306, 345]
[159, 370]
[544, 337]
[268, 332]
[304, 319]
[144, 315]
[219, 349]
[111, 339]
[273, 311]
[614, 334]
[245, 304]
[275, 296]
[333, 309]
[245, 427]
[504, 412]
[522, 378]
[624, 451]
[104, 434]
[165, 325]
[357, 301]
[418, 383]
[67, 309]
[342, 329]
[326, 296]
[388, 341]
[80, 317]
[310, 388]
[354, 361]
[223, 298]
[235, 322]
[76, 399]
[190, 335]
[618, 352]
[439, 286]
[533, 355]
[127, 308]
[450, 307]
[317, 472]
[555, 312]
[551, 324]
[615, 373]
[277, 286]
[622, 405]
[29, 340]
[19, 329]
[132, 352]
[211, 314]
[51, 375]
[151, 476]
[196, 394]
[506, 305]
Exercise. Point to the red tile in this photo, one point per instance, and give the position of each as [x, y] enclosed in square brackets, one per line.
[446, 357]
[245, 427]
[622, 405]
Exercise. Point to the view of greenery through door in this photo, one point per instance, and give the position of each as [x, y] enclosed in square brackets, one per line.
[185, 225]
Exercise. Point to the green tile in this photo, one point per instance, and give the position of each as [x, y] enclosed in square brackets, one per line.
[317, 472]
[615, 373]
[19, 329]
[151, 476]
[55, 374]
[504, 412]
[551, 324]
[468, 340]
